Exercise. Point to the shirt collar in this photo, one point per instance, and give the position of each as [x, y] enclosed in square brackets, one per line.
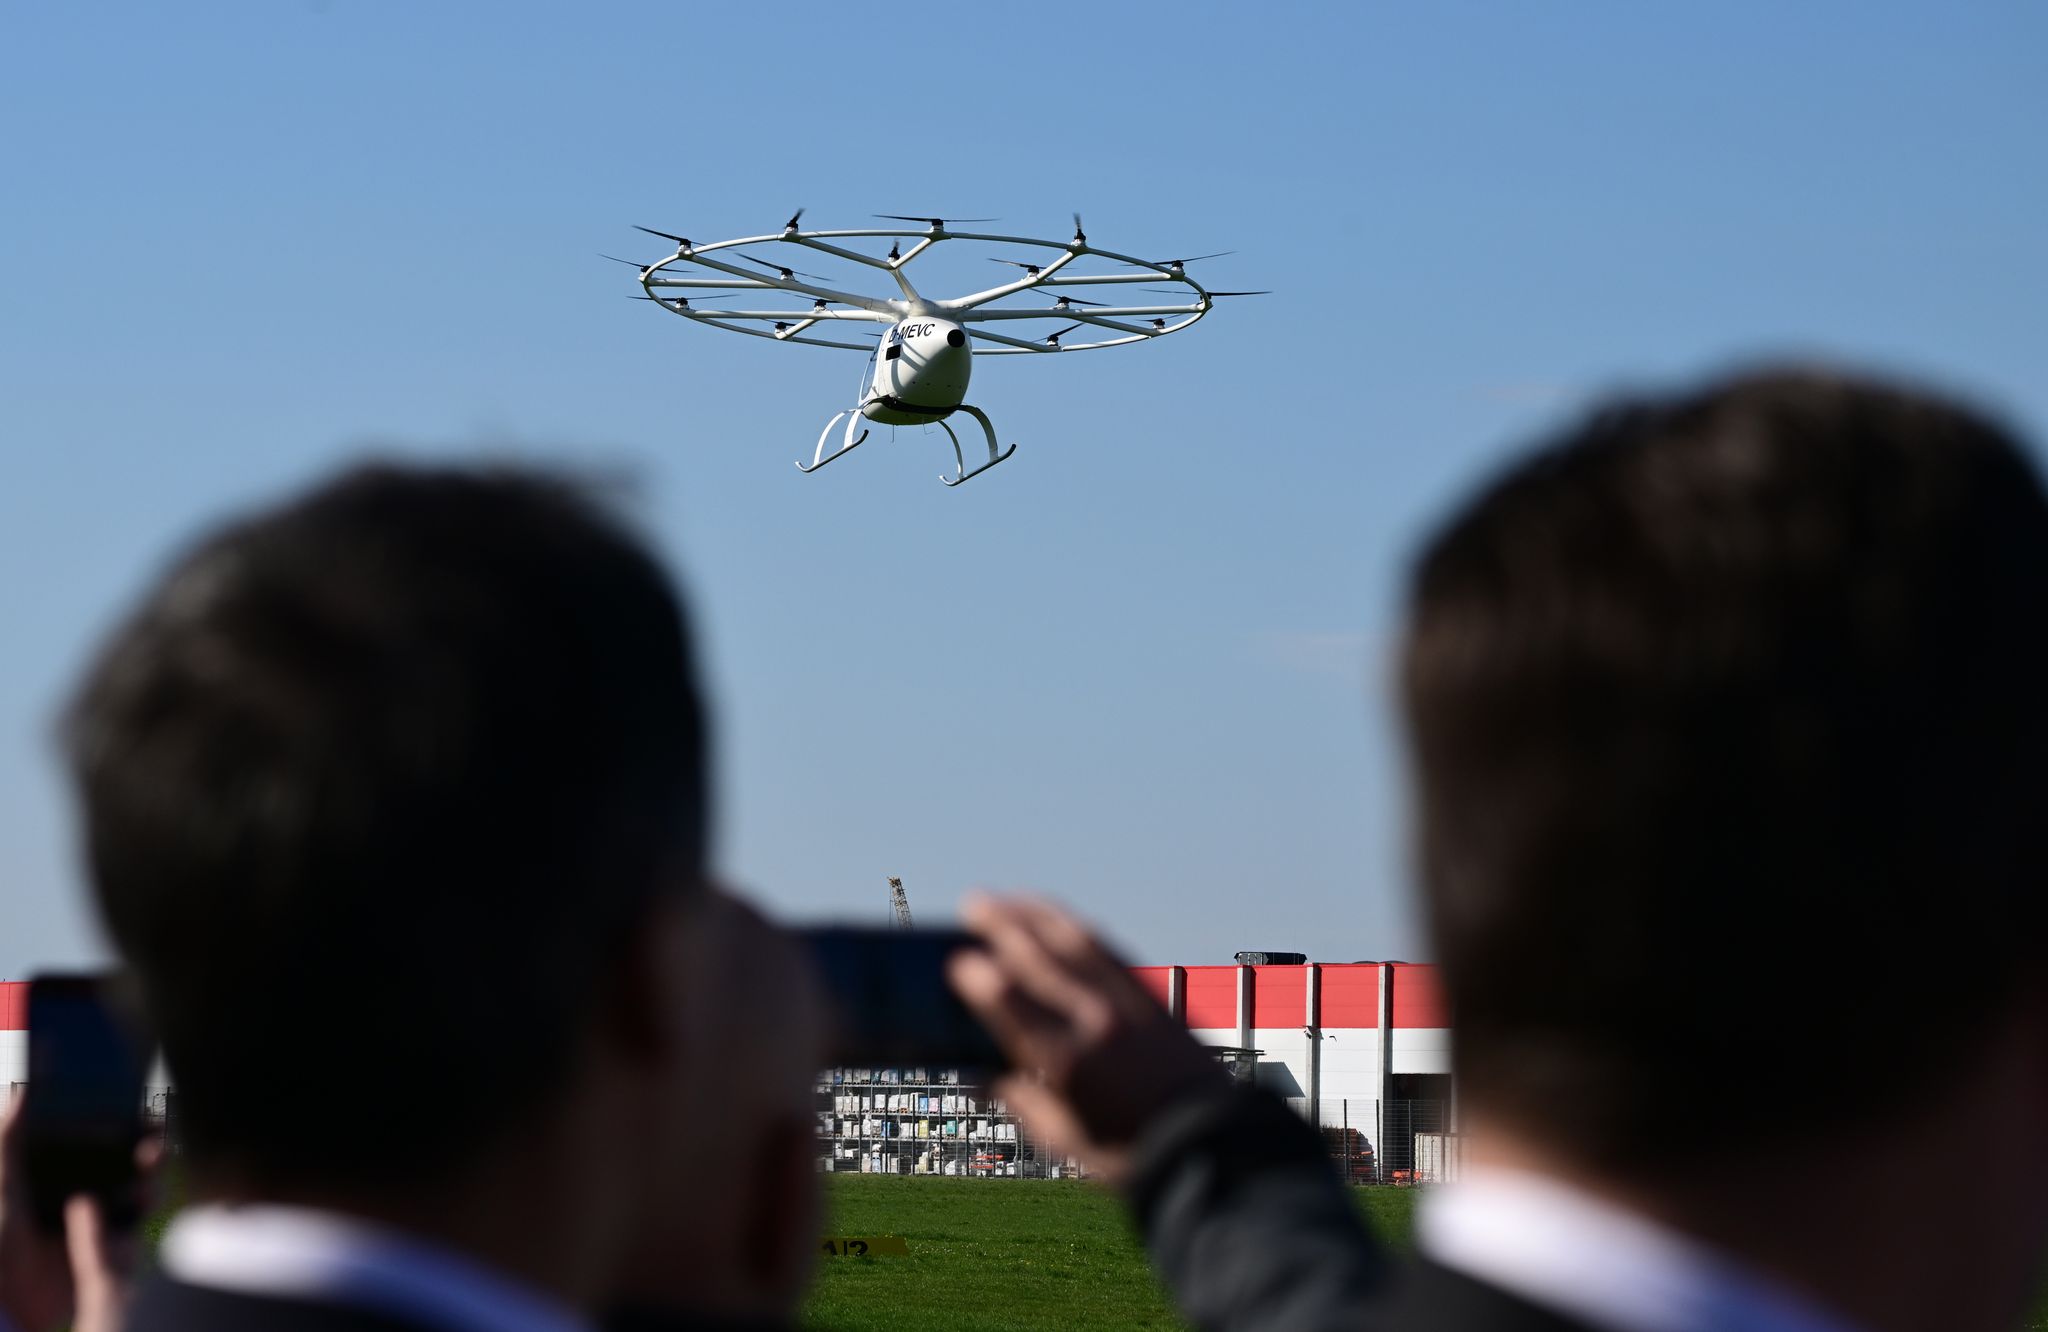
[1564, 1249]
[304, 1254]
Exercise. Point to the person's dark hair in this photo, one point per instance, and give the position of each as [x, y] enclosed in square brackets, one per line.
[373, 785]
[1729, 712]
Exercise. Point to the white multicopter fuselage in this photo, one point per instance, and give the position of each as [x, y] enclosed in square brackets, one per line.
[921, 372]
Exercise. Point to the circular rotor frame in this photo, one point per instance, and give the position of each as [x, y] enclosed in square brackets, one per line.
[715, 268]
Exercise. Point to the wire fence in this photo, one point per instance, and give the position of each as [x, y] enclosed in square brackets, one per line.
[929, 1122]
[160, 1117]
[1397, 1142]
[875, 1121]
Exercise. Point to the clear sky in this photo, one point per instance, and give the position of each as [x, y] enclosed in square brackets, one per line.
[1141, 665]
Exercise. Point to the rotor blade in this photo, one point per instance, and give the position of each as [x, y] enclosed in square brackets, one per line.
[615, 259]
[1015, 263]
[1159, 291]
[1076, 300]
[1055, 337]
[1174, 263]
[794, 218]
[680, 240]
[778, 268]
[941, 221]
[1240, 293]
[686, 300]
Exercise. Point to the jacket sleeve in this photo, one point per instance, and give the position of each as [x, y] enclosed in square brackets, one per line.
[1248, 1224]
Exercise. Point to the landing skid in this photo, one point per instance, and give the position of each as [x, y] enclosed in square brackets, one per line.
[960, 459]
[848, 443]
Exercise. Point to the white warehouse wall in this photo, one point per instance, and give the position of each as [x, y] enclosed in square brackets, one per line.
[13, 1057]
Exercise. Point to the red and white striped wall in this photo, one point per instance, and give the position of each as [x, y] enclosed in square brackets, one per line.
[13, 1035]
[1329, 1031]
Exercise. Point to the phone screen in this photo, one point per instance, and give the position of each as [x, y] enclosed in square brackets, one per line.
[891, 1005]
[81, 1117]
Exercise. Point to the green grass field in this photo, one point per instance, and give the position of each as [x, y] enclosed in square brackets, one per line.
[1017, 1256]
[1008, 1255]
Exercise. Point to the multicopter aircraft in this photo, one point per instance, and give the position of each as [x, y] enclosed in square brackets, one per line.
[921, 363]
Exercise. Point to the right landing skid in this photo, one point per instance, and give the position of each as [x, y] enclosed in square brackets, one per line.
[960, 459]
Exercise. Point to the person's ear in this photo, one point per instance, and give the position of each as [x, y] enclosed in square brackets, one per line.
[646, 1011]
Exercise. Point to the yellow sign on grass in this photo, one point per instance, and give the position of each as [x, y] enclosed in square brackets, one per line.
[864, 1246]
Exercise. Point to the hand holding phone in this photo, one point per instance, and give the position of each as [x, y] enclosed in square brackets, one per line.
[1105, 1061]
[81, 1117]
[73, 1270]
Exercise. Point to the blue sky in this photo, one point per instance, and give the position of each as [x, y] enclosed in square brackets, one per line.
[1141, 665]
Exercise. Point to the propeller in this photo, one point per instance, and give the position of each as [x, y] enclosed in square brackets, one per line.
[895, 251]
[787, 274]
[1158, 291]
[1159, 324]
[645, 269]
[794, 218]
[1062, 302]
[1175, 264]
[1054, 338]
[1080, 236]
[936, 223]
[681, 300]
[1032, 269]
[683, 241]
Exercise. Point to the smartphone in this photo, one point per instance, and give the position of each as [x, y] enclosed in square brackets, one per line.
[81, 1116]
[891, 1005]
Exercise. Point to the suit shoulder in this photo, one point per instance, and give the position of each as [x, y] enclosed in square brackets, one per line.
[164, 1305]
[1427, 1297]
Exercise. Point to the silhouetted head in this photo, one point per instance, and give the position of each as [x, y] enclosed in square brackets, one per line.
[1729, 712]
[375, 785]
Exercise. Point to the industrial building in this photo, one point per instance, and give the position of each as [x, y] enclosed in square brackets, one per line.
[1327, 1034]
[1361, 1048]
